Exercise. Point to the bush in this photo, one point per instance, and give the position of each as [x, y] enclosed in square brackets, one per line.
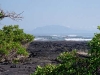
[47, 70]
[95, 52]
[13, 42]
[72, 64]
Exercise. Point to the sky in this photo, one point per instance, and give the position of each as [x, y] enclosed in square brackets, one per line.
[75, 14]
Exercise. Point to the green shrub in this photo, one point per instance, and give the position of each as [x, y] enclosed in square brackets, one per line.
[95, 52]
[71, 64]
[47, 70]
[13, 42]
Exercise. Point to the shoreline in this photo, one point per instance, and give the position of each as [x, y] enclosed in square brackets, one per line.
[41, 53]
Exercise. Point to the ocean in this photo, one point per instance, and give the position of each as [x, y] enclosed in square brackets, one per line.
[63, 38]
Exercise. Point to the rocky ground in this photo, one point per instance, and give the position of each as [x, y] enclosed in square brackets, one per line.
[41, 53]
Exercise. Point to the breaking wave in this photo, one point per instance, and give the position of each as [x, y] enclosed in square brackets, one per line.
[62, 38]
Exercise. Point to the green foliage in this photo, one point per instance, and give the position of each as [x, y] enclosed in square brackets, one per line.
[12, 41]
[72, 64]
[95, 51]
[67, 56]
[1, 16]
[47, 70]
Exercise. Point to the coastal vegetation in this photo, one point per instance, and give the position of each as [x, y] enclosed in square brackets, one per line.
[13, 43]
[13, 40]
[72, 64]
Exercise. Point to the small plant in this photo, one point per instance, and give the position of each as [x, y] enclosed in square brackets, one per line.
[47, 70]
[67, 56]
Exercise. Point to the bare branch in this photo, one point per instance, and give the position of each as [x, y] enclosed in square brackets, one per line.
[12, 15]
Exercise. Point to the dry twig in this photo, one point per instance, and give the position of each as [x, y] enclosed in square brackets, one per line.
[12, 15]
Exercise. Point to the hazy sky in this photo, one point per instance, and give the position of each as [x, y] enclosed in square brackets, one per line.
[78, 14]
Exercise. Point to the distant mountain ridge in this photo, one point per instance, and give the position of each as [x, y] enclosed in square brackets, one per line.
[52, 30]
[58, 30]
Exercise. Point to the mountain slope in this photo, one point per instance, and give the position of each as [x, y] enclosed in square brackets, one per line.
[52, 30]
[61, 30]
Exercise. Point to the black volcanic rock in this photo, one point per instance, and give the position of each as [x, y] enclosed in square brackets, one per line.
[41, 53]
[50, 49]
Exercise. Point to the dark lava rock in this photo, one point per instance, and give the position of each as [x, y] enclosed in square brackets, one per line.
[50, 49]
[13, 66]
[41, 53]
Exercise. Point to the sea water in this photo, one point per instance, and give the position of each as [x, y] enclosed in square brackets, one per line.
[63, 38]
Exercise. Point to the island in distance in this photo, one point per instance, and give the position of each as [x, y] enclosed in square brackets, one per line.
[60, 30]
